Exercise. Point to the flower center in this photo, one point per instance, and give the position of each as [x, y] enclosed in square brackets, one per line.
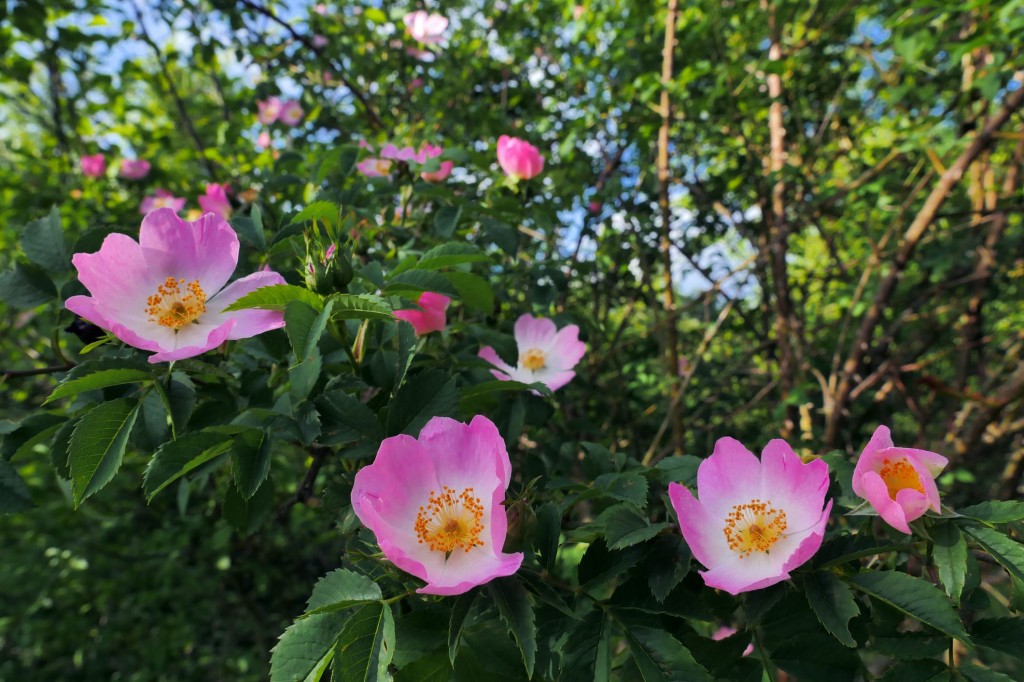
[382, 166]
[176, 303]
[899, 475]
[754, 527]
[451, 521]
[533, 359]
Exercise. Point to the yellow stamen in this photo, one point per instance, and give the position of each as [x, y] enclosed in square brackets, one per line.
[900, 475]
[450, 521]
[533, 359]
[754, 527]
[176, 303]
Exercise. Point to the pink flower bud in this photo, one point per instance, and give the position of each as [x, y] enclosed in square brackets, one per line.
[518, 158]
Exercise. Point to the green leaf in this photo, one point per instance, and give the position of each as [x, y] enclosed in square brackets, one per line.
[44, 244]
[976, 673]
[304, 326]
[447, 255]
[306, 648]
[995, 511]
[32, 431]
[345, 418]
[414, 282]
[914, 597]
[950, 554]
[473, 290]
[915, 671]
[276, 297]
[623, 527]
[26, 286]
[406, 351]
[588, 650]
[833, 604]
[1009, 553]
[366, 645]
[661, 657]
[445, 221]
[14, 494]
[470, 394]
[628, 487]
[910, 645]
[340, 589]
[246, 515]
[434, 667]
[361, 307]
[323, 211]
[260, 237]
[250, 459]
[516, 610]
[176, 458]
[460, 610]
[98, 444]
[97, 380]
[428, 394]
[1001, 634]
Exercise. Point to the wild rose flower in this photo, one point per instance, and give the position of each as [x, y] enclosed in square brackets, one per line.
[291, 113]
[374, 168]
[546, 354]
[134, 169]
[429, 151]
[756, 520]
[216, 200]
[94, 166]
[161, 198]
[165, 293]
[269, 110]
[431, 315]
[898, 482]
[263, 139]
[390, 151]
[594, 207]
[518, 158]
[435, 504]
[319, 41]
[425, 28]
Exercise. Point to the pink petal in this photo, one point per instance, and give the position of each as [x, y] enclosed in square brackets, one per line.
[703, 534]
[799, 488]
[730, 476]
[534, 332]
[877, 494]
[250, 322]
[566, 349]
[206, 249]
[491, 356]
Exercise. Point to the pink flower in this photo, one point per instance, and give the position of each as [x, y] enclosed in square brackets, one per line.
[319, 41]
[415, 84]
[269, 110]
[263, 139]
[390, 151]
[374, 168]
[594, 207]
[291, 113]
[165, 293]
[320, 8]
[94, 166]
[518, 158]
[727, 631]
[435, 504]
[546, 354]
[898, 482]
[431, 315]
[161, 198]
[429, 151]
[134, 169]
[425, 28]
[756, 520]
[216, 200]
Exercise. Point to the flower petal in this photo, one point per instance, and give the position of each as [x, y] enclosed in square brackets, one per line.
[248, 322]
[534, 332]
[204, 250]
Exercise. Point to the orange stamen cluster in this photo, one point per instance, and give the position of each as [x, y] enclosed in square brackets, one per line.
[533, 359]
[176, 303]
[451, 521]
[899, 475]
[754, 527]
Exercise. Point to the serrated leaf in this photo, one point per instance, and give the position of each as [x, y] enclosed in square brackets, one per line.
[324, 211]
[417, 281]
[346, 418]
[911, 645]
[44, 244]
[516, 610]
[995, 511]
[914, 597]
[833, 604]
[975, 673]
[471, 393]
[29, 433]
[246, 515]
[98, 444]
[14, 494]
[599, 565]
[174, 459]
[668, 565]
[26, 286]
[304, 326]
[660, 657]
[950, 555]
[1009, 553]
[447, 255]
[276, 297]
[587, 650]
[914, 671]
[445, 221]
[623, 527]
[250, 461]
[306, 648]
[628, 487]
[428, 394]
[406, 336]
[1001, 634]
[340, 589]
[457, 621]
[98, 380]
[473, 290]
[365, 646]
[361, 307]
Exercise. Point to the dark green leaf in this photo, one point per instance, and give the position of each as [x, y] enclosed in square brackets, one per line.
[14, 494]
[1009, 553]
[428, 394]
[445, 221]
[361, 307]
[176, 458]
[304, 326]
[1001, 634]
[416, 281]
[26, 286]
[995, 511]
[911, 645]
[661, 657]
[447, 255]
[247, 515]
[950, 554]
[98, 444]
[406, 350]
[340, 589]
[250, 459]
[346, 418]
[365, 646]
[473, 290]
[276, 297]
[306, 648]
[588, 651]
[976, 673]
[623, 527]
[833, 604]
[914, 671]
[460, 609]
[97, 380]
[44, 244]
[516, 610]
[913, 596]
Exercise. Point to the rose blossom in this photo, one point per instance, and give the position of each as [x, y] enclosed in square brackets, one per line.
[166, 293]
[134, 169]
[216, 200]
[161, 198]
[435, 504]
[546, 354]
[898, 482]
[94, 166]
[291, 113]
[518, 158]
[756, 520]
[430, 151]
[374, 168]
[425, 28]
[431, 314]
[269, 110]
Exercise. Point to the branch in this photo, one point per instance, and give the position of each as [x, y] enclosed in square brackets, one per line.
[305, 490]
